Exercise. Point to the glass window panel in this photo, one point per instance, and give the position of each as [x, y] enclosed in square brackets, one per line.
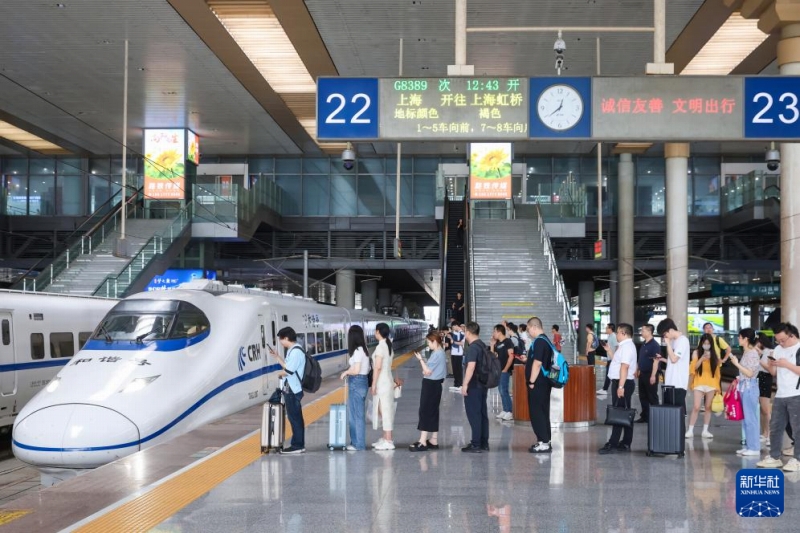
[406, 165]
[317, 165]
[426, 165]
[69, 193]
[706, 195]
[316, 195]
[311, 345]
[329, 342]
[131, 167]
[371, 195]
[424, 195]
[320, 343]
[260, 165]
[650, 165]
[706, 165]
[41, 195]
[69, 166]
[539, 165]
[540, 188]
[100, 191]
[406, 189]
[62, 344]
[83, 338]
[16, 166]
[343, 195]
[287, 165]
[100, 165]
[43, 166]
[563, 165]
[589, 166]
[37, 346]
[290, 187]
[16, 195]
[372, 165]
[650, 195]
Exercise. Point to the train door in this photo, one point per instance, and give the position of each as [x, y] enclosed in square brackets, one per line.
[265, 361]
[8, 378]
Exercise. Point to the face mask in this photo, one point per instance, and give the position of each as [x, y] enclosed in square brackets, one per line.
[706, 346]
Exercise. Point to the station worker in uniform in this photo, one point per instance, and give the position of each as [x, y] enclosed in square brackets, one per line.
[433, 375]
[357, 385]
[294, 368]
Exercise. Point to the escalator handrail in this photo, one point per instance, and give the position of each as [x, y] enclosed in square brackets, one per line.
[443, 277]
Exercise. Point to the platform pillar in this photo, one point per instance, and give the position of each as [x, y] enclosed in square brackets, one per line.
[585, 312]
[625, 253]
[346, 289]
[369, 294]
[384, 299]
[677, 251]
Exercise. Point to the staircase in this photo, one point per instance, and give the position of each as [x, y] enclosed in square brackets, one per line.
[88, 271]
[454, 259]
[514, 278]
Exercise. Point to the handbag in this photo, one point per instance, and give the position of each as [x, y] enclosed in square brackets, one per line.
[277, 396]
[620, 416]
[717, 406]
[733, 402]
[398, 392]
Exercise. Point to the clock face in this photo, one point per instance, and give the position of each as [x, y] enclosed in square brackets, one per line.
[559, 107]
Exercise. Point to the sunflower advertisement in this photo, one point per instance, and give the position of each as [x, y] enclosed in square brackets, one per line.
[193, 153]
[490, 171]
[164, 164]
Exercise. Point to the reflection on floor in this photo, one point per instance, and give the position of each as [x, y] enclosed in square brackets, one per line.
[573, 490]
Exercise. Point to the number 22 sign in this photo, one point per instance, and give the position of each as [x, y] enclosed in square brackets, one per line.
[347, 108]
[772, 108]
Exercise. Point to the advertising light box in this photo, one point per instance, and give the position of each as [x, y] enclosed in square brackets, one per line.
[164, 164]
[490, 171]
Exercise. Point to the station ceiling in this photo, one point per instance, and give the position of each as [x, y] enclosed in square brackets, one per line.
[61, 63]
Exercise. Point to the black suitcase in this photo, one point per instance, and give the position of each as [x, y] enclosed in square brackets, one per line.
[665, 430]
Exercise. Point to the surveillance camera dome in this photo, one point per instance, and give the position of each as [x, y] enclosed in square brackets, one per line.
[559, 46]
[348, 157]
[773, 159]
[773, 165]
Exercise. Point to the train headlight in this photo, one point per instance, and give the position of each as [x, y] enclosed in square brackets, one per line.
[139, 383]
[53, 385]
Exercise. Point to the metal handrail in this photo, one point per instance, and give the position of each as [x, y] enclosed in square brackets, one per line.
[557, 280]
[443, 277]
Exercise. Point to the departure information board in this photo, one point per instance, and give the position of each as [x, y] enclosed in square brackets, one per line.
[454, 108]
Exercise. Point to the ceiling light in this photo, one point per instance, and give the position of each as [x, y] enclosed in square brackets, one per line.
[732, 43]
[631, 148]
[60, 6]
[28, 140]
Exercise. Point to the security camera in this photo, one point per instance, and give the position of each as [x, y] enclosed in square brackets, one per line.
[559, 62]
[773, 158]
[559, 46]
[348, 157]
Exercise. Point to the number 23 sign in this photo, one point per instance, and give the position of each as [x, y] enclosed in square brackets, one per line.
[347, 108]
[772, 108]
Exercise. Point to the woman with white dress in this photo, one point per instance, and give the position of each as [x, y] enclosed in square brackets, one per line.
[383, 387]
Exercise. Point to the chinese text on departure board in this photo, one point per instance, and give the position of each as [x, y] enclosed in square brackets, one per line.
[454, 108]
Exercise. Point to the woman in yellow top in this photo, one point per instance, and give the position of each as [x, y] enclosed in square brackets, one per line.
[707, 370]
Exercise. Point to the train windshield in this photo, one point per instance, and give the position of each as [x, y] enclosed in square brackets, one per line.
[149, 320]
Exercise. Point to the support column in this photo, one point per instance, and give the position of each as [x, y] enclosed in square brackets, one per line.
[613, 296]
[755, 315]
[726, 317]
[384, 299]
[369, 294]
[789, 62]
[585, 311]
[346, 289]
[677, 155]
[625, 251]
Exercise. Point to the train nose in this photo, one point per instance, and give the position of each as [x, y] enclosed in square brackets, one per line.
[74, 436]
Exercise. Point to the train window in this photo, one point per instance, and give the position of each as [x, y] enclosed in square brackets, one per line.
[329, 341]
[83, 338]
[37, 346]
[320, 343]
[147, 320]
[301, 341]
[62, 344]
[311, 345]
[335, 341]
[6, 332]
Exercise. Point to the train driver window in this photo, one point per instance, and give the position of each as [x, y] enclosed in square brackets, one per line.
[191, 321]
[311, 345]
[6, 333]
[37, 346]
[62, 344]
[83, 338]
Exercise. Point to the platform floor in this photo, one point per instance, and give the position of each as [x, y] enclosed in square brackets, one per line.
[506, 489]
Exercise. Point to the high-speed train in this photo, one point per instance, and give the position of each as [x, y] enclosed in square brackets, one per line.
[163, 363]
[39, 333]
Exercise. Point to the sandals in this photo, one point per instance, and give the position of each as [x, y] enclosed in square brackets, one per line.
[417, 447]
[432, 446]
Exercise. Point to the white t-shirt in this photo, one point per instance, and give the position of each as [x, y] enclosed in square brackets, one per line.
[360, 356]
[677, 374]
[458, 336]
[787, 380]
[625, 355]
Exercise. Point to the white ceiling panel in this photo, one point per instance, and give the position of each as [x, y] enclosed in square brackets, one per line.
[62, 70]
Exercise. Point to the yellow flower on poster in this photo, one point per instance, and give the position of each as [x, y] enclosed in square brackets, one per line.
[490, 171]
[164, 164]
[193, 153]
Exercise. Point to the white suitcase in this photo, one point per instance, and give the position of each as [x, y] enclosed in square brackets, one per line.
[337, 425]
[273, 427]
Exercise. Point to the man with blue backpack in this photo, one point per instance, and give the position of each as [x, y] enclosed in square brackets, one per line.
[538, 361]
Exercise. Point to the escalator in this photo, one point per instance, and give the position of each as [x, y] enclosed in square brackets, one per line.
[453, 279]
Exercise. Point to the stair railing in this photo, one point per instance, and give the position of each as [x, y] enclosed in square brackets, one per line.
[558, 282]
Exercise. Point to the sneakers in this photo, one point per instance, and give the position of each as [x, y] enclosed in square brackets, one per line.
[509, 416]
[291, 450]
[501, 415]
[602, 394]
[769, 462]
[788, 452]
[750, 453]
[792, 466]
[541, 447]
[351, 448]
[741, 452]
[384, 446]
[689, 433]
[707, 435]
[378, 442]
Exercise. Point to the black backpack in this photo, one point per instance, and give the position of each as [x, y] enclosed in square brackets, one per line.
[488, 367]
[312, 375]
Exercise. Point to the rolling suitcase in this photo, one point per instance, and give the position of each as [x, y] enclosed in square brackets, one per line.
[665, 431]
[272, 427]
[337, 427]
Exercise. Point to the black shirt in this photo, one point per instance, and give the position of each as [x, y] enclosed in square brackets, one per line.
[504, 350]
[542, 352]
[473, 355]
[646, 352]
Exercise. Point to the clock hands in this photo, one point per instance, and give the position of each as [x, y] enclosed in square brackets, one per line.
[560, 106]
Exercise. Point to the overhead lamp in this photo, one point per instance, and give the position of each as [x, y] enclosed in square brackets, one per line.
[731, 44]
[631, 148]
[29, 140]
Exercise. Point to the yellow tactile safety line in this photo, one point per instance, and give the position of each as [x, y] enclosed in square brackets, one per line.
[10, 515]
[152, 508]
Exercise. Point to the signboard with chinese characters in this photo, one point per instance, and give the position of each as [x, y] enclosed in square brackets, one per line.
[453, 108]
[747, 290]
[490, 171]
[173, 277]
[164, 164]
[662, 108]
